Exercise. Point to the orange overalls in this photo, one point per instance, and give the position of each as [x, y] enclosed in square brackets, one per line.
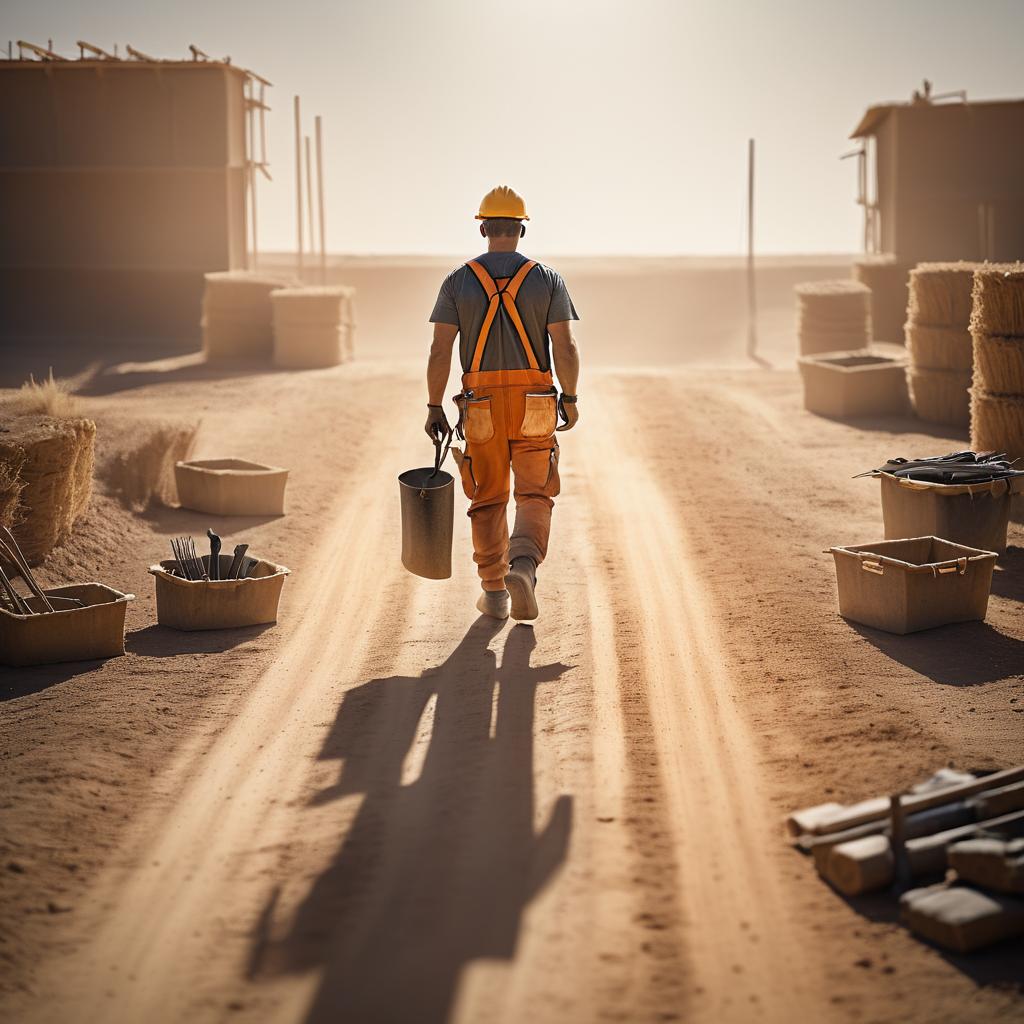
[508, 419]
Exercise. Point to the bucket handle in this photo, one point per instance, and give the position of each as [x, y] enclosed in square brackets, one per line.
[439, 455]
[944, 570]
[871, 565]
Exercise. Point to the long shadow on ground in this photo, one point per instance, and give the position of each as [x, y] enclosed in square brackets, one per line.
[963, 654]
[436, 872]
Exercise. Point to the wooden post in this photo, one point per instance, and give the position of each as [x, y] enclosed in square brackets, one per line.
[898, 841]
[309, 198]
[252, 173]
[298, 187]
[320, 198]
[751, 282]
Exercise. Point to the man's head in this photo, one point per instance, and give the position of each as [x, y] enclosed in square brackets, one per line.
[502, 227]
[502, 213]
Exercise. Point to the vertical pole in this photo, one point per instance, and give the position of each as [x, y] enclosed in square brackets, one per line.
[320, 197]
[898, 841]
[751, 283]
[252, 173]
[309, 198]
[298, 187]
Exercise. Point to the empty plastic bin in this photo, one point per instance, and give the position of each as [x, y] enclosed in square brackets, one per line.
[218, 604]
[855, 383]
[231, 487]
[94, 629]
[973, 514]
[902, 586]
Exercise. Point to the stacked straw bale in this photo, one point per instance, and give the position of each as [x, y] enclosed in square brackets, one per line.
[237, 315]
[51, 461]
[833, 316]
[887, 278]
[997, 326]
[939, 341]
[313, 327]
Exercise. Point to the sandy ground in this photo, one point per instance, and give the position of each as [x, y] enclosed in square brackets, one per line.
[388, 809]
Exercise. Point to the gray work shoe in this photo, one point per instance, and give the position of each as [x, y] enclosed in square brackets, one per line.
[521, 581]
[493, 603]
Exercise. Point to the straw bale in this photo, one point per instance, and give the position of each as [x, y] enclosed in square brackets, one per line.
[299, 306]
[241, 287]
[887, 278]
[226, 338]
[999, 364]
[237, 314]
[834, 300]
[997, 423]
[999, 299]
[939, 348]
[55, 462]
[940, 396]
[306, 347]
[940, 294]
[11, 486]
[815, 342]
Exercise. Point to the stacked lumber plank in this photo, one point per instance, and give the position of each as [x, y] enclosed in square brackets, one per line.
[952, 821]
[237, 314]
[833, 316]
[997, 327]
[938, 339]
[313, 327]
[887, 278]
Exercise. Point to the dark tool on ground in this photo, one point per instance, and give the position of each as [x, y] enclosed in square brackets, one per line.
[236, 562]
[955, 468]
[214, 554]
[12, 553]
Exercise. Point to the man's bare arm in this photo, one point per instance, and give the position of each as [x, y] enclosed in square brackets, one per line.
[439, 366]
[566, 356]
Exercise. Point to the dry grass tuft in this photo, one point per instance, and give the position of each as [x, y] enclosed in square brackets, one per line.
[11, 486]
[48, 397]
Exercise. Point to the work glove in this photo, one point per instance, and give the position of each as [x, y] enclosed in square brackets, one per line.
[567, 411]
[437, 426]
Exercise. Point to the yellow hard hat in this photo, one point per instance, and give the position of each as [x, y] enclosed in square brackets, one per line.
[502, 202]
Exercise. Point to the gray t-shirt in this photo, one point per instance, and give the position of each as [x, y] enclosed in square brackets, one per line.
[543, 299]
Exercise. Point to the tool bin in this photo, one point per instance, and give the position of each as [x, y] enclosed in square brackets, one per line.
[231, 487]
[854, 383]
[973, 514]
[94, 629]
[903, 586]
[218, 604]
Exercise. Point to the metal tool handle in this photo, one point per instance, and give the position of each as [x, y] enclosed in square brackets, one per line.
[439, 455]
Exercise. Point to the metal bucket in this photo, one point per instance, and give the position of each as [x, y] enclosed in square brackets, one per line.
[428, 516]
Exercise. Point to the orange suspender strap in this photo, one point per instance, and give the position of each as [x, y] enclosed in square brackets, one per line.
[507, 296]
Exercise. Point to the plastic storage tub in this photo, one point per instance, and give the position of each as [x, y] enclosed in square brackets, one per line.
[218, 604]
[902, 586]
[973, 514]
[95, 630]
[855, 383]
[231, 487]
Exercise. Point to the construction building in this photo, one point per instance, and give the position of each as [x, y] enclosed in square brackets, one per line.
[941, 180]
[122, 181]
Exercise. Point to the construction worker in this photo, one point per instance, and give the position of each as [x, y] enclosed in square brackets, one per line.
[511, 314]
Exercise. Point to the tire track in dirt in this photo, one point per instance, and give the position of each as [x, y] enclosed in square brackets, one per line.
[740, 946]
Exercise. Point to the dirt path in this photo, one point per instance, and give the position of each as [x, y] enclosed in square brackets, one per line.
[412, 814]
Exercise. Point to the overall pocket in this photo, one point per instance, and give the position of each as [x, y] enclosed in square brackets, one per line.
[479, 426]
[540, 414]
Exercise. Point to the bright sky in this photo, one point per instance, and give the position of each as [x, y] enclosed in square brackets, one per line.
[624, 125]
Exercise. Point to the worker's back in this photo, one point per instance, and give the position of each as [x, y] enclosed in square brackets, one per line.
[542, 299]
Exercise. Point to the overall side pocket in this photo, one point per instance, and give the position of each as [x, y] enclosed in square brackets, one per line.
[479, 426]
[540, 414]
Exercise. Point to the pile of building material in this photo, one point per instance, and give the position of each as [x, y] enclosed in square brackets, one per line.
[887, 278]
[953, 820]
[313, 327]
[938, 339]
[46, 468]
[997, 326]
[833, 316]
[237, 314]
